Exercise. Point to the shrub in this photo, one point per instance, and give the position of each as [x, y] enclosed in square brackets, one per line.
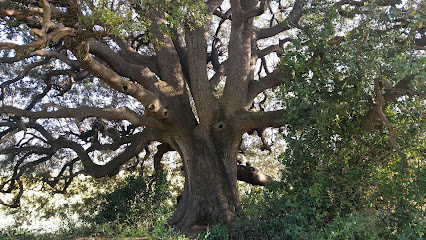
[139, 200]
[283, 212]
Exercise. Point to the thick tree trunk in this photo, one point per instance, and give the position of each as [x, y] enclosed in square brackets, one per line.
[210, 193]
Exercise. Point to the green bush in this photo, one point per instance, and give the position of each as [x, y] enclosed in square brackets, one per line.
[139, 199]
[279, 212]
[139, 207]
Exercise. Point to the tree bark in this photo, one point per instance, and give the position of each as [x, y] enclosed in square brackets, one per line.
[210, 192]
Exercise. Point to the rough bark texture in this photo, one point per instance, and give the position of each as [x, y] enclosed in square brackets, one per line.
[210, 194]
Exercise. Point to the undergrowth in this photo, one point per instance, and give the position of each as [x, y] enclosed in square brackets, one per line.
[274, 212]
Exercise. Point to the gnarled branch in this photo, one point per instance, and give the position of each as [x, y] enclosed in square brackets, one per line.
[80, 113]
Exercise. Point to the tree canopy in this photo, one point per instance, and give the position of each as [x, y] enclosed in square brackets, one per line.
[88, 85]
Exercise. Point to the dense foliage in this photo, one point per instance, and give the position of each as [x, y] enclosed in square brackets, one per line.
[335, 164]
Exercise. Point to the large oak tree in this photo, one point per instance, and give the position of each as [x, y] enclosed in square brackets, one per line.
[193, 70]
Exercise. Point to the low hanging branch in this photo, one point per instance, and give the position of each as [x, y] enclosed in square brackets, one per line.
[83, 112]
[251, 175]
[381, 103]
[16, 200]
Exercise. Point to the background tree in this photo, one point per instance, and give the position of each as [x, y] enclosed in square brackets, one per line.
[92, 83]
